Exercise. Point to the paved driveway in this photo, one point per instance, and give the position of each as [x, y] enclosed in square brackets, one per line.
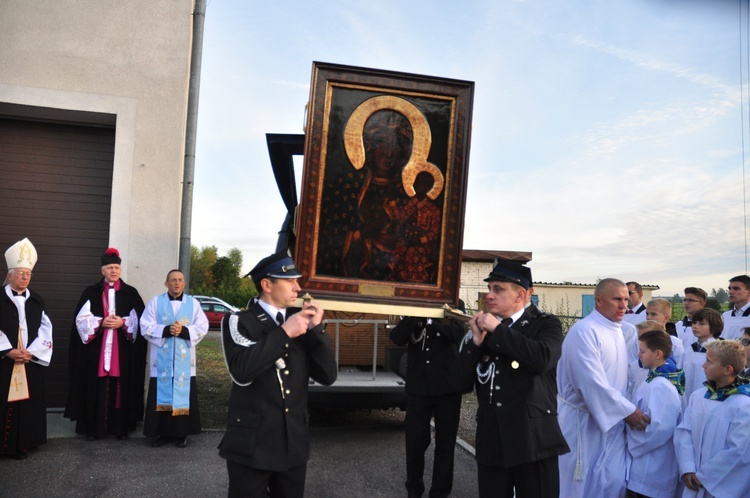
[345, 461]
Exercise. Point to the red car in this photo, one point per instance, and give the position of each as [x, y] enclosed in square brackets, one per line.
[215, 313]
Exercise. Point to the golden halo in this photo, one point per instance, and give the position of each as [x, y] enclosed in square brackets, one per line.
[422, 141]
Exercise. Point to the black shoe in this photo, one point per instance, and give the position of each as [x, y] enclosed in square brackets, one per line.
[160, 441]
[181, 442]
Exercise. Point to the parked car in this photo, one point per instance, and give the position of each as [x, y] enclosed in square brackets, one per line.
[215, 312]
[211, 299]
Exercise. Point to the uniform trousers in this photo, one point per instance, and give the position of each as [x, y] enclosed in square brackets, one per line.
[447, 412]
[540, 479]
[247, 482]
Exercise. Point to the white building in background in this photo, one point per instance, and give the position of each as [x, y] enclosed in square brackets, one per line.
[564, 299]
[476, 264]
[93, 106]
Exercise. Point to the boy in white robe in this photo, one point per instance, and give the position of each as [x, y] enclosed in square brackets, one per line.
[592, 380]
[712, 443]
[637, 373]
[695, 299]
[745, 341]
[707, 327]
[653, 470]
[660, 310]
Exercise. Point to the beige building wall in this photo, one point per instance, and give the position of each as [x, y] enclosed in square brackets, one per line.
[129, 61]
[473, 274]
[567, 299]
[560, 299]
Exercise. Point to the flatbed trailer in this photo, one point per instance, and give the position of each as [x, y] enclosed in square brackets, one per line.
[371, 369]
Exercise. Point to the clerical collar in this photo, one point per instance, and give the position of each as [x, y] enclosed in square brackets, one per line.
[22, 293]
[174, 298]
[116, 285]
[272, 311]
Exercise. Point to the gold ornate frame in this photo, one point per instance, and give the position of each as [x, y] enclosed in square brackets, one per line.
[364, 233]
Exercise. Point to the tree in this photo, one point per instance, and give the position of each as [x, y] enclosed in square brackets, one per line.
[214, 275]
[226, 273]
[201, 262]
[713, 303]
[720, 295]
[235, 256]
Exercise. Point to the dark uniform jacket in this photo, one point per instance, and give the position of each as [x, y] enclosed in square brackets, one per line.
[431, 354]
[84, 359]
[32, 412]
[517, 413]
[267, 429]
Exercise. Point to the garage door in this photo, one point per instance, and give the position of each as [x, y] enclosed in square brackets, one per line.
[56, 189]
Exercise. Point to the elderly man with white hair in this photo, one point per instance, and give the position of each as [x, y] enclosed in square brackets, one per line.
[25, 349]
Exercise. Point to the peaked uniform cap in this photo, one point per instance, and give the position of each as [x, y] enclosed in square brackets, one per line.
[510, 271]
[279, 265]
[22, 254]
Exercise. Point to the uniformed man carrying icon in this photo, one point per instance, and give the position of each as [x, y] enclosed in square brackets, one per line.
[271, 351]
[515, 348]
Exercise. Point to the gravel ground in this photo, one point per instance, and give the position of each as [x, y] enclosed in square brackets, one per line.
[467, 427]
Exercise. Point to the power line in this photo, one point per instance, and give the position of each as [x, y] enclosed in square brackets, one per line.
[742, 119]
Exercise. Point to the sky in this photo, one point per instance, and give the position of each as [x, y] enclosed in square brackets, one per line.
[607, 137]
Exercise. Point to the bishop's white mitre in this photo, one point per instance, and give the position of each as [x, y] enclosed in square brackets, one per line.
[22, 254]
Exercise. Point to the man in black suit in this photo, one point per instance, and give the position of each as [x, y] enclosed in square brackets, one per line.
[518, 439]
[271, 351]
[636, 309]
[431, 354]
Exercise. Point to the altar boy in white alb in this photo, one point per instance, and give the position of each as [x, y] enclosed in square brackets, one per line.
[712, 443]
[653, 470]
[173, 323]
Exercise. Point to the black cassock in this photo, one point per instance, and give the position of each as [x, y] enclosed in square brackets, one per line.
[107, 405]
[24, 423]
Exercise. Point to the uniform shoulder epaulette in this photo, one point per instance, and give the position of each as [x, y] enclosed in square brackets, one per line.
[234, 332]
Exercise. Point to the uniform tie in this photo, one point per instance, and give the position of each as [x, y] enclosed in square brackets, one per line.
[280, 318]
[507, 321]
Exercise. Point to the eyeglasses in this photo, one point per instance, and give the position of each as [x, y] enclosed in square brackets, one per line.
[688, 300]
[23, 274]
[745, 342]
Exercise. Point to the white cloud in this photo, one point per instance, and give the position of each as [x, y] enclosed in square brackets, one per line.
[603, 152]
